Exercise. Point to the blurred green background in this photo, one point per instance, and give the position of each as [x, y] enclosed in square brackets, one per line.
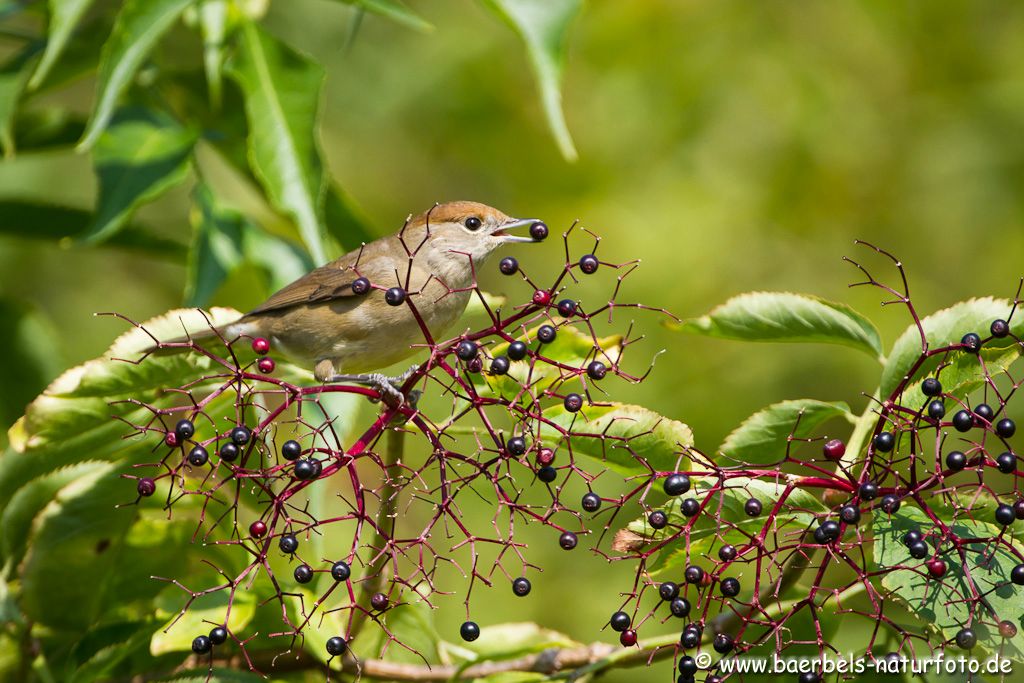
[731, 146]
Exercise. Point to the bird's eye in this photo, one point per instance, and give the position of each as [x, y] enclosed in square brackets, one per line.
[473, 223]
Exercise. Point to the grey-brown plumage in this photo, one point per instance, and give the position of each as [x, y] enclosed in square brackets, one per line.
[319, 322]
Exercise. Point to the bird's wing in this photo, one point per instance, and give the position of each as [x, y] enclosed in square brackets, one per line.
[331, 281]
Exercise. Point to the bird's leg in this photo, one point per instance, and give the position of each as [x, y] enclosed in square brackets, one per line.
[389, 387]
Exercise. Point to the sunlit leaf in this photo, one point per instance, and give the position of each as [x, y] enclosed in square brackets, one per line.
[282, 92]
[944, 328]
[64, 17]
[787, 317]
[201, 616]
[396, 10]
[141, 155]
[139, 26]
[763, 437]
[506, 641]
[543, 26]
[31, 353]
[213, 26]
[627, 438]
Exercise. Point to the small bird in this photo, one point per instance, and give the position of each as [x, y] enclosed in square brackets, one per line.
[338, 320]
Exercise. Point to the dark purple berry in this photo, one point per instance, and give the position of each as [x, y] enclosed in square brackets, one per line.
[573, 403]
[475, 366]
[668, 591]
[395, 296]
[1006, 462]
[201, 645]
[834, 449]
[288, 544]
[722, 643]
[591, 502]
[690, 507]
[508, 266]
[752, 507]
[568, 540]
[379, 601]
[730, 587]
[931, 387]
[971, 342]
[727, 553]
[694, 574]
[911, 537]
[688, 666]
[956, 461]
[240, 435]
[546, 334]
[1018, 508]
[336, 646]
[589, 264]
[918, 550]
[303, 573]
[830, 529]
[517, 445]
[218, 635]
[936, 410]
[999, 328]
[566, 308]
[521, 586]
[963, 421]
[229, 452]
[146, 487]
[1017, 575]
[547, 474]
[184, 430]
[884, 442]
[467, 350]
[500, 365]
[657, 519]
[1005, 515]
[517, 350]
[890, 503]
[868, 490]
[305, 470]
[809, 677]
[966, 639]
[198, 456]
[340, 571]
[1006, 428]
[690, 637]
[676, 484]
[291, 450]
[360, 286]
[538, 231]
[680, 607]
[620, 621]
[596, 370]
[984, 411]
[850, 514]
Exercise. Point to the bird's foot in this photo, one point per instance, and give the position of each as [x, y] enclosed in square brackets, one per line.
[390, 388]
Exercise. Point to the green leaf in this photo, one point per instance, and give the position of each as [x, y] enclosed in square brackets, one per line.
[965, 374]
[13, 77]
[204, 612]
[728, 523]
[395, 10]
[64, 17]
[27, 220]
[787, 317]
[138, 158]
[224, 240]
[763, 436]
[507, 641]
[345, 221]
[139, 26]
[213, 26]
[29, 347]
[282, 91]
[943, 328]
[412, 623]
[941, 606]
[543, 26]
[76, 535]
[214, 675]
[627, 438]
[102, 649]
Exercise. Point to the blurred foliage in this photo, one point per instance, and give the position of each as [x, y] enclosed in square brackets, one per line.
[160, 151]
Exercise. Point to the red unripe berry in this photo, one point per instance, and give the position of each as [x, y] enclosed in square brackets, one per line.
[261, 346]
[937, 568]
[834, 449]
[171, 439]
[542, 297]
[628, 638]
[257, 529]
[545, 457]
[146, 487]
[266, 365]
[1007, 629]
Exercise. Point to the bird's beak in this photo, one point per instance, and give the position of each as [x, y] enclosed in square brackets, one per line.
[511, 224]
